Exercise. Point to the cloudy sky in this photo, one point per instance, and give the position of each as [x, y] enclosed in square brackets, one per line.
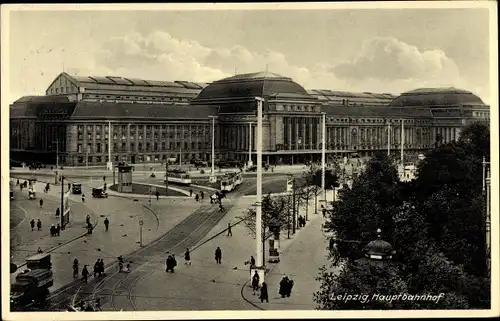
[353, 49]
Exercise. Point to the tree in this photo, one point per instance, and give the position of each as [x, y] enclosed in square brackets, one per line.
[476, 139]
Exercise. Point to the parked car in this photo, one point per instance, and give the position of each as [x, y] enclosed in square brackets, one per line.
[99, 193]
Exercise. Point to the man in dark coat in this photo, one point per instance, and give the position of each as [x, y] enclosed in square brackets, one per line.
[58, 229]
[187, 257]
[263, 293]
[106, 224]
[39, 224]
[157, 195]
[75, 268]
[283, 286]
[171, 263]
[255, 282]
[202, 195]
[85, 273]
[289, 288]
[218, 255]
[32, 224]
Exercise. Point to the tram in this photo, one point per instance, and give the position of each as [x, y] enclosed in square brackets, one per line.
[230, 181]
[178, 176]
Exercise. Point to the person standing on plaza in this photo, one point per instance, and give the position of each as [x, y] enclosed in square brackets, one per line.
[85, 273]
[255, 282]
[197, 197]
[106, 224]
[58, 229]
[283, 286]
[58, 212]
[32, 224]
[187, 257]
[229, 233]
[202, 195]
[41, 202]
[157, 196]
[87, 219]
[218, 255]
[190, 192]
[52, 230]
[38, 224]
[96, 267]
[75, 268]
[263, 293]
[101, 267]
[83, 197]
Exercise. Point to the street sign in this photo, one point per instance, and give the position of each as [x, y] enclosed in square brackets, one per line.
[141, 222]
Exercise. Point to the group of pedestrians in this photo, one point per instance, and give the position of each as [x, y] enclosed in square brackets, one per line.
[285, 287]
[38, 224]
[99, 267]
[171, 262]
[55, 230]
[197, 197]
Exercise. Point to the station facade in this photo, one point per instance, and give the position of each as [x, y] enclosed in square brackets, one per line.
[80, 118]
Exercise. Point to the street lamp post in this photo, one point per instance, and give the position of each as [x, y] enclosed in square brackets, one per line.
[258, 222]
[212, 173]
[323, 156]
[110, 162]
[249, 144]
[388, 138]
[486, 190]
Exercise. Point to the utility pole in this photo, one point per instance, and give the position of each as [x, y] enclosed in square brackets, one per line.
[258, 222]
[212, 176]
[62, 202]
[402, 141]
[323, 156]
[293, 207]
[110, 162]
[288, 217]
[388, 137]
[57, 153]
[249, 144]
[166, 177]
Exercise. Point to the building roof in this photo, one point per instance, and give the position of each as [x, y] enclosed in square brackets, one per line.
[436, 97]
[40, 99]
[138, 110]
[375, 111]
[248, 86]
[325, 94]
[133, 84]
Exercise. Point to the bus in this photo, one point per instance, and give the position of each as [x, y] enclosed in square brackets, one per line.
[178, 176]
[230, 181]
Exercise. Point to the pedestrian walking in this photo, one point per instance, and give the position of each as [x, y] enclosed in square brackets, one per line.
[120, 263]
[187, 257]
[263, 293]
[289, 288]
[89, 228]
[171, 263]
[58, 229]
[218, 255]
[229, 233]
[83, 197]
[255, 282]
[38, 224]
[52, 230]
[104, 178]
[106, 224]
[197, 197]
[41, 202]
[283, 290]
[58, 212]
[85, 273]
[202, 195]
[101, 267]
[32, 224]
[252, 261]
[157, 195]
[323, 209]
[96, 267]
[75, 268]
[190, 192]
[87, 219]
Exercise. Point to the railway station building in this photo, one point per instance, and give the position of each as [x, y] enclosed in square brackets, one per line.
[79, 118]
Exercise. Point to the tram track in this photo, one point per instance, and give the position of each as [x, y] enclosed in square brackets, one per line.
[185, 234]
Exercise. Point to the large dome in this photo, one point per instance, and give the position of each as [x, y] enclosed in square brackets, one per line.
[430, 97]
[260, 84]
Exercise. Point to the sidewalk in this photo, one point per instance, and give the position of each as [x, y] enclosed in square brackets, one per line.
[205, 285]
[27, 242]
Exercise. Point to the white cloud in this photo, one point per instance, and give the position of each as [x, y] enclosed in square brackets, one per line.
[383, 65]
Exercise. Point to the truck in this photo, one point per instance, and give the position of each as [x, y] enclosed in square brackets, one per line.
[32, 284]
